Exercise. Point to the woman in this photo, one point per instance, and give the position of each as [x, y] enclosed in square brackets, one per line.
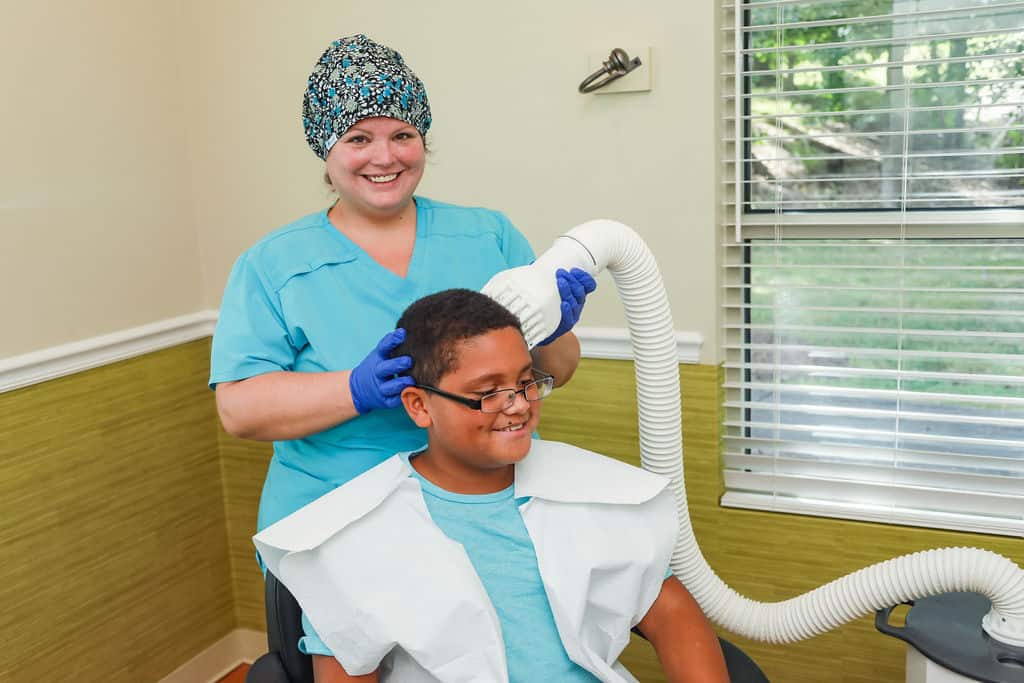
[301, 351]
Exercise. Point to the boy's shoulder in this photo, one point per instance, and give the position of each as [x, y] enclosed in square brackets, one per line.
[311, 525]
[553, 471]
[565, 473]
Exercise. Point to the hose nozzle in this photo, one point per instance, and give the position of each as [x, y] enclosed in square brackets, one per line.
[531, 293]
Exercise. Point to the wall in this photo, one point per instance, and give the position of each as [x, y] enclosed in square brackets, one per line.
[146, 144]
[95, 212]
[510, 131]
[113, 547]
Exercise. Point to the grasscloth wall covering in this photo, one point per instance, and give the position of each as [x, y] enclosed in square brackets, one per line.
[113, 551]
[119, 562]
[245, 465]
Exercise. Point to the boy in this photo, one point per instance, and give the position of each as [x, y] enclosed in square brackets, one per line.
[487, 556]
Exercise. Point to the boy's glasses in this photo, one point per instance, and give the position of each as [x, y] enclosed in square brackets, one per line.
[502, 399]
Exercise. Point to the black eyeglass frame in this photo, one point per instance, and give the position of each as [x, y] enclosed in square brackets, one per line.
[478, 403]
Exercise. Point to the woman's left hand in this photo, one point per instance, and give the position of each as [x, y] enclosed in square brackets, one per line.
[573, 287]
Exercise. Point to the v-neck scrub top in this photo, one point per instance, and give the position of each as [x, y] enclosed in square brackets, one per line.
[305, 298]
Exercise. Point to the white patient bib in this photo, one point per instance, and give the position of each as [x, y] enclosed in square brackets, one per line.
[384, 587]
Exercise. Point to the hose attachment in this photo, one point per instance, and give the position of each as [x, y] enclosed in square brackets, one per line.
[531, 294]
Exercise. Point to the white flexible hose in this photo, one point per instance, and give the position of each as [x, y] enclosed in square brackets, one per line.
[601, 244]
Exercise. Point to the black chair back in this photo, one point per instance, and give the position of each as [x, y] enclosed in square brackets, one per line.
[283, 663]
[741, 667]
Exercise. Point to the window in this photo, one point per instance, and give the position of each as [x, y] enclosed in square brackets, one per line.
[873, 260]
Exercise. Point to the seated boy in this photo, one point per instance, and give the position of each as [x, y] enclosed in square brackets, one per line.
[489, 555]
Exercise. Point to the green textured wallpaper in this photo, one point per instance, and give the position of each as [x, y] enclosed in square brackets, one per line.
[113, 546]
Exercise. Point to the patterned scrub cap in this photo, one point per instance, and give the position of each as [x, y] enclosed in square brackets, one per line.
[357, 79]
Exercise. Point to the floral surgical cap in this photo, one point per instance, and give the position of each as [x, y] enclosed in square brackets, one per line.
[356, 79]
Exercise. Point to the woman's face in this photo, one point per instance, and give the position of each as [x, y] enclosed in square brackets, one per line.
[376, 165]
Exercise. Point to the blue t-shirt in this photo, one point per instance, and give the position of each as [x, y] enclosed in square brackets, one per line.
[306, 298]
[494, 536]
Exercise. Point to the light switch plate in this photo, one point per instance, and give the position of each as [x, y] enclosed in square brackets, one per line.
[637, 80]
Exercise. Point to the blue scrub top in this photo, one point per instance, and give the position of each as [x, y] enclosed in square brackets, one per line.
[306, 298]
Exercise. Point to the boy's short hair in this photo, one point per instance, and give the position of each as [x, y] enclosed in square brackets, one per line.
[436, 324]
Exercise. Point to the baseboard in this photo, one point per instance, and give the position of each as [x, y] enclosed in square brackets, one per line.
[241, 646]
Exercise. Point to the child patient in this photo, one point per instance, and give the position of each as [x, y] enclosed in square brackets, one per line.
[488, 555]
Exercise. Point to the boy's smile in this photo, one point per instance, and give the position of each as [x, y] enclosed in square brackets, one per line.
[470, 451]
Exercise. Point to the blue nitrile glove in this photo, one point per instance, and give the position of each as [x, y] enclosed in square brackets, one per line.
[573, 287]
[373, 382]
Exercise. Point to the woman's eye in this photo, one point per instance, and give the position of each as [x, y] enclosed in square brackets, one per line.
[358, 139]
[404, 136]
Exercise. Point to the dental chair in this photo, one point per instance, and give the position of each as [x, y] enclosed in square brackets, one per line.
[283, 662]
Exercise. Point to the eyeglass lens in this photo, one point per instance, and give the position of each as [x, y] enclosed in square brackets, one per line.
[502, 400]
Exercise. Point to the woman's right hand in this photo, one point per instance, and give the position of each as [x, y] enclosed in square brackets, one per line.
[377, 382]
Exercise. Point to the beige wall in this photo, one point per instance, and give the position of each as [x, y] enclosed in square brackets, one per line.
[95, 217]
[146, 144]
[510, 131]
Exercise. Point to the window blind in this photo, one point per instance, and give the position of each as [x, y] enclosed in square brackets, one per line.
[873, 259]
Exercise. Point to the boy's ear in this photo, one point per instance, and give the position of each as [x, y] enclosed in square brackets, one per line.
[414, 400]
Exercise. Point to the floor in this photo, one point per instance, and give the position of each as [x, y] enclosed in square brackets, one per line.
[236, 675]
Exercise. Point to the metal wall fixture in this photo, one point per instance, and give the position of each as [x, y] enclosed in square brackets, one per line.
[616, 66]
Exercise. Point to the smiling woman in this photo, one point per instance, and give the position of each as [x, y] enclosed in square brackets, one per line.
[303, 306]
[302, 354]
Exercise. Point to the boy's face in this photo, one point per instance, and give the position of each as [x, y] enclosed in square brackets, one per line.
[465, 441]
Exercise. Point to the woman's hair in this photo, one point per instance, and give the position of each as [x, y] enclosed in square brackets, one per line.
[436, 324]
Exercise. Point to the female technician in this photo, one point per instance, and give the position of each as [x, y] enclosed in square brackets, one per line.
[301, 350]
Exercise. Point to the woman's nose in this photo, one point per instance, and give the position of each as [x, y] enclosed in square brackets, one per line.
[381, 153]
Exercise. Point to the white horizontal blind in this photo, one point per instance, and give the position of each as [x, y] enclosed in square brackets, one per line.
[873, 259]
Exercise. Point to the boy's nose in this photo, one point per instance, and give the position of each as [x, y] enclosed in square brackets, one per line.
[519, 403]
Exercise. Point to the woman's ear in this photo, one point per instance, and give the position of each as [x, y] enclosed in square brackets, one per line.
[414, 400]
